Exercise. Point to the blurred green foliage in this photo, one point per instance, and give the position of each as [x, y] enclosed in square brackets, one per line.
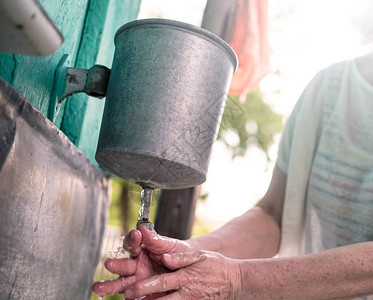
[251, 121]
[122, 188]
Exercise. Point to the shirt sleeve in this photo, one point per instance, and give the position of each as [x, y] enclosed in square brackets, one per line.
[310, 97]
[284, 151]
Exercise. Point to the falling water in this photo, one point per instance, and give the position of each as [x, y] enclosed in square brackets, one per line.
[120, 252]
[58, 108]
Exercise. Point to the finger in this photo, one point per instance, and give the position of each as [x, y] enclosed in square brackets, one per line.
[175, 261]
[132, 242]
[156, 257]
[148, 297]
[158, 284]
[172, 296]
[156, 243]
[121, 267]
[112, 287]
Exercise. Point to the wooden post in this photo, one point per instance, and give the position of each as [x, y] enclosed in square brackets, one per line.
[175, 212]
[124, 203]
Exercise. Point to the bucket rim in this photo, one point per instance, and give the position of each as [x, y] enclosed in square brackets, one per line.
[182, 25]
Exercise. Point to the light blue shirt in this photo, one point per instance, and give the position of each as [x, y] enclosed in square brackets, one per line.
[327, 153]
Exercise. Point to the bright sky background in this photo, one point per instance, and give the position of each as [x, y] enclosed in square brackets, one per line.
[305, 36]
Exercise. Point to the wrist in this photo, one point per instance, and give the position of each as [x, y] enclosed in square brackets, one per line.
[257, 279]
[237, 288]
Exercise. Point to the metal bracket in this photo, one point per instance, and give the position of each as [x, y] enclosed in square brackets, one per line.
[58, 87]
[69, 81]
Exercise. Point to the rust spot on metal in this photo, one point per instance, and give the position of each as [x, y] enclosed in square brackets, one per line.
[72, 79]
[65, 202]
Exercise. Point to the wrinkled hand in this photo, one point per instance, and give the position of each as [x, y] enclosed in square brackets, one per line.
[198, 275]
[145, 261]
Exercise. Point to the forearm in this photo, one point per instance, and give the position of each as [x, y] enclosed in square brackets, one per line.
[253, 235]
[340, 273]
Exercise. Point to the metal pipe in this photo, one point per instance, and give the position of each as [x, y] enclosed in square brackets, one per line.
[144, 212]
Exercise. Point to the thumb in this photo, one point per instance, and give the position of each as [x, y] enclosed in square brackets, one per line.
[175, 261]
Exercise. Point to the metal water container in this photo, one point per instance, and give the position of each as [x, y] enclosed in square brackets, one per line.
[53, 207]
[166, 95]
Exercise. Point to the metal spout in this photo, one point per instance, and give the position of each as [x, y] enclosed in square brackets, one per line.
[93, 81]
[144, 212]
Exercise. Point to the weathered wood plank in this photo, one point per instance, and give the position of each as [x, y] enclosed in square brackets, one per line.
[33, 77]
[82, 119]
[88, 27]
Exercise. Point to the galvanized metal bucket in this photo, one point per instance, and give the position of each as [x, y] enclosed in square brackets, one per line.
[166, 95]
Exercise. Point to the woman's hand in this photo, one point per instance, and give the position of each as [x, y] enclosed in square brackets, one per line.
[196, 275]
[145, 261]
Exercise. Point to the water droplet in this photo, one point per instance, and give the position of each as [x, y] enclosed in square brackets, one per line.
[58, 107]
[119, 252]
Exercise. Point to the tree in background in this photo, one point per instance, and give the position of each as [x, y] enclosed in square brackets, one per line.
[253, 121]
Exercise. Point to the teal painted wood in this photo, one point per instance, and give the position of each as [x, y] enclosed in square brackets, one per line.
[33, 77]
[71, 120]
[82, 119]
[88, 27]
